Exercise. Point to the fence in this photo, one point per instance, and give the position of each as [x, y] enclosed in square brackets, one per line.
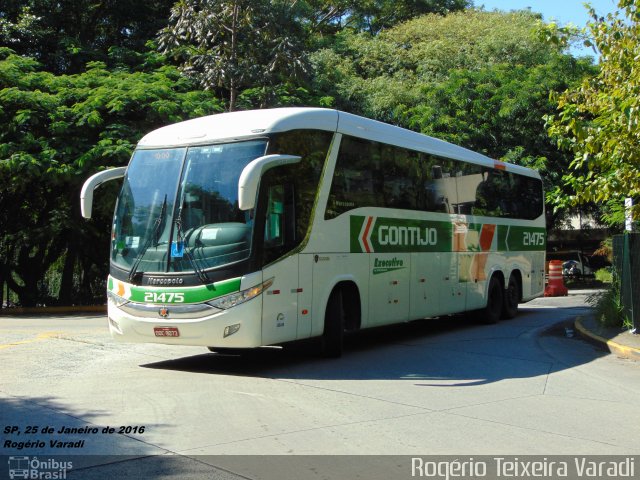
[626, 261]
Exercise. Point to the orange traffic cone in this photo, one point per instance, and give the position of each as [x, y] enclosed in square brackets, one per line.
[555, 287]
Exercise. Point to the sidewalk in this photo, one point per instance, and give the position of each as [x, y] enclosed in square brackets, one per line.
[622, 343]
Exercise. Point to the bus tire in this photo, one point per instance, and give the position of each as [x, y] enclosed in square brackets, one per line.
[511, 298]
[333, 335]
[491, 313]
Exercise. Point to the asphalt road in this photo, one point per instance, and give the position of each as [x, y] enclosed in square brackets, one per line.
[436, 387]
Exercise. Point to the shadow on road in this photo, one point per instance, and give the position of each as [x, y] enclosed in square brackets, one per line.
[446, 352]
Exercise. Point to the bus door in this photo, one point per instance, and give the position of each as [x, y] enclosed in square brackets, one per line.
[280, 301]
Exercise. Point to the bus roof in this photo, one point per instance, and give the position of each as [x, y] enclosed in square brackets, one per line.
[241, 125]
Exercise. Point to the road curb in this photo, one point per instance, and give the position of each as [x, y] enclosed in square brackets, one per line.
[18, 311]
[613, 347]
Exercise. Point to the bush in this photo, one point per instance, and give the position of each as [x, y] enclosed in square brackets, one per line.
[604, 275]
[608, 305]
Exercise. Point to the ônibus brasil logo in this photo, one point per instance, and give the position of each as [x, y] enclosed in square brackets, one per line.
[32, 468]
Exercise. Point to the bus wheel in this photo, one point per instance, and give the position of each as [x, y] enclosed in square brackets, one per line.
[333, 335]
[493, 310]
[511, 298]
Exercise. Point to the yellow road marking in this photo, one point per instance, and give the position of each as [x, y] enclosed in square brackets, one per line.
[41, 336]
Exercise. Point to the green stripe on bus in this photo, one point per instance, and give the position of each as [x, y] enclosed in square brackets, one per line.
[355, 227]
[503, 231]
[526, 239]
[199, 294]
[393, 235]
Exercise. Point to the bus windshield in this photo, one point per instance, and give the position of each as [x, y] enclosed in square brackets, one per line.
[178, 209]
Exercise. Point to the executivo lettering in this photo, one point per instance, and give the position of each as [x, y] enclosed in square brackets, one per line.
[389, 265]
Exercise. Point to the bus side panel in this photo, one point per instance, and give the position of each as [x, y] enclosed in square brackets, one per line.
[426, 284]
[280, 302]
[453, 292]
[329, 269]
[480, 268]
[535, 276]
[305, 296]
[389, 288]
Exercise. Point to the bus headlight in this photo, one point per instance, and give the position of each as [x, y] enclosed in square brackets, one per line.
[237, 298]
[116, 299]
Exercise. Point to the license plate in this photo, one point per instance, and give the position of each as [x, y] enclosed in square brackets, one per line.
[166, 331]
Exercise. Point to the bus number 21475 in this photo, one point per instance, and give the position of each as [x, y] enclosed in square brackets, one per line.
[164, 297]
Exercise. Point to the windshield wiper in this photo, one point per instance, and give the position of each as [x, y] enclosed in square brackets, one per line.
[202, 275]
[133, 273]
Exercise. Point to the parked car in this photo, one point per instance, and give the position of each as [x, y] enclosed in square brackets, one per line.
[574, 263]
[570, 269]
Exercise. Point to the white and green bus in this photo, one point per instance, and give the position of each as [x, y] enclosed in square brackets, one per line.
[258, 228]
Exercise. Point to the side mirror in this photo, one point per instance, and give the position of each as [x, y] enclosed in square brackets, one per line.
[94, 181]
[252, 173]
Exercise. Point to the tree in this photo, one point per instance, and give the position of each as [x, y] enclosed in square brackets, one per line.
[478, 79]
[499, 111]
[232, 45]
[373, 16]
[381, 76]
[56, 131]
[64, 35]
[598, 122]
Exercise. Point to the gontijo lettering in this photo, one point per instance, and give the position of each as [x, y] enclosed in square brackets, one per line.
[390, 235]
[393, 235]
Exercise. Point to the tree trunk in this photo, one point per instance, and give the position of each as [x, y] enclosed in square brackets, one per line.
[2, 289]
[65, 296]
[233, 94]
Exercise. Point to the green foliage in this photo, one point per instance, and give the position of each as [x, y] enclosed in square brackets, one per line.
[57, 130]
[82, 83]
[64, 35]
[373, 16]
[604, 275]
[325, 18]
[368, 73]
[478, 79]
[598, 121]
[609, 310]
[237, 44]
